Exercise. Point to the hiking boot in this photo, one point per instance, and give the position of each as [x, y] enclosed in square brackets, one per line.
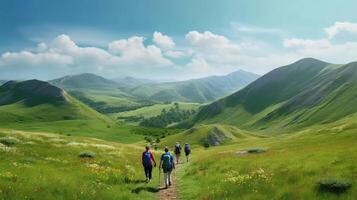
[170, 183]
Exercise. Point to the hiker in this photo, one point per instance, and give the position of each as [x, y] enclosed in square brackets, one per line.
[177, 151]
[187, 151]
[167, 164]
[148, 160]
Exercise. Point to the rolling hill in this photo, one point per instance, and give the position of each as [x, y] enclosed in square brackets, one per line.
[196, 90]
[99, 93]
[127, 83]
[35, 100]
[39, 106]
[304, 93]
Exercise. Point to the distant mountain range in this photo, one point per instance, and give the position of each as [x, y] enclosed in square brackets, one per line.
[103, 95]
[128, 82]
[304, 93]
[127, 93]
[196, 90]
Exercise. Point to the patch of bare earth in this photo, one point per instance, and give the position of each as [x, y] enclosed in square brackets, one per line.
[171, 192]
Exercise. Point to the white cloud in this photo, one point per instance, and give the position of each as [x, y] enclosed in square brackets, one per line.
[133, 51]
[339, 27]
[198, 67]
[206, 39]
[163, 41]
[305, 44]
[325, 48]
[175, 54]
[62, 56]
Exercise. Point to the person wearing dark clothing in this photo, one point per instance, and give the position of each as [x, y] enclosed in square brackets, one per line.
[177, 150]
[187, 151]
[148, 162]
[167, 164]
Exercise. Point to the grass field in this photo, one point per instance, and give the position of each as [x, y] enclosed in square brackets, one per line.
[154, 110]
[48, 166]
[289, 169]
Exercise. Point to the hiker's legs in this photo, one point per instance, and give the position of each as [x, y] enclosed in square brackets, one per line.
[166, 178]
[150, 172]
[169, 177]
[177, 158]
[146, 172]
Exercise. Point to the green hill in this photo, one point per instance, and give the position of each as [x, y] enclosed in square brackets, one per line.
[101, 94]
[208, 135]
[196, 90]
[304, 93]
[40, 106]
[36, 100]
[127, 83]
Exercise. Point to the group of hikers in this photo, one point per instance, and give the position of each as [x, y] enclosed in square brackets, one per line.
[167, 163]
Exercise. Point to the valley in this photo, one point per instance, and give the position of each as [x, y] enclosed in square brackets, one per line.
[278, 136]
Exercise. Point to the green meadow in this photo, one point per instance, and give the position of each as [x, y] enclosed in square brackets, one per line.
[289, 167]
[37, 165]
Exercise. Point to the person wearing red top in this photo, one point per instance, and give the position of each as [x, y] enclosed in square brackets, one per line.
[148, 161]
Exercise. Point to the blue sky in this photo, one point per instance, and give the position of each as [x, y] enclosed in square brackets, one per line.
[194, 38]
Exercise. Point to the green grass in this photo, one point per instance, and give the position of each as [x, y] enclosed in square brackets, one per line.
[208, 134]
[290, 168]
[48, 166]
[154, 110]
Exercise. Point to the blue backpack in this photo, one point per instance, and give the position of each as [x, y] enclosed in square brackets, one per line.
[187, 149]
[166, 162]
[147, 158]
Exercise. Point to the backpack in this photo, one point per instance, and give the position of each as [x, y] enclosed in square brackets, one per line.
[166, 162]
[187, 149]
[177, 149]
[147, 158]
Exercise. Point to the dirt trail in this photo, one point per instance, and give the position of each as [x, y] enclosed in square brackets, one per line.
[171, 192]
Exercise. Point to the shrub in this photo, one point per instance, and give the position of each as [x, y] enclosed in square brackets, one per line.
[206, 144]
[335, 185]
[87, 154]
[256, 150]
[9, 141]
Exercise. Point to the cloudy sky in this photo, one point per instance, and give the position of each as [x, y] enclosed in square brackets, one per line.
[170, 39]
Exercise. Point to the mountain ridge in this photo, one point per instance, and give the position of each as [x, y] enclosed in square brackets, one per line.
[288, 96]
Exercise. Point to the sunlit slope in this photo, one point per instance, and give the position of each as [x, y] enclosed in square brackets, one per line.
[208, 135]
[290, 168]
[31, 101]
[48, 166]
[103, 95]
[301, 94]
[38, 105]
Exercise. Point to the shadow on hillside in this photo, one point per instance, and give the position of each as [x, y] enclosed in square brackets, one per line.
[148, 189]
[135, 181]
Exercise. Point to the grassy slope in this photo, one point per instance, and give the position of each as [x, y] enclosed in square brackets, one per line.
[73, 118]
[154, 110]
[289, 169]
[102, 94]
[305, 93]
[47, 166]
[202, 134]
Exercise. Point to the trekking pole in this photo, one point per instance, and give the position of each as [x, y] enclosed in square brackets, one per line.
[159, 177]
